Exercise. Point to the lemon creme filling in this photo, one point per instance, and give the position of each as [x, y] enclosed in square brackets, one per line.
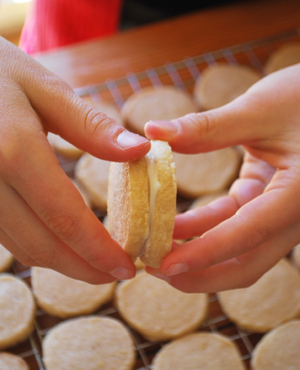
[153, 186]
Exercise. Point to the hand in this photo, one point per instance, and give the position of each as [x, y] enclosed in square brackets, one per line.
[43, 219]
[246, 233]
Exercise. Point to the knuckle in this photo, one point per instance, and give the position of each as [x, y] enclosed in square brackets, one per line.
[26, 260]
[96, 122]
[45, 258]
[64, 225]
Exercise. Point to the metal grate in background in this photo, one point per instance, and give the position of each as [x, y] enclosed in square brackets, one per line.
[183, 75]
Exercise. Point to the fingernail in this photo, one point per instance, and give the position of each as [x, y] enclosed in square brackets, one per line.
[121, 273]
[128, 139]
[169, 127]
[161, 276]
[176, 269]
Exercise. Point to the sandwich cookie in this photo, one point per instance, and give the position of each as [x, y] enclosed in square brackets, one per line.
[205, 351]
[89, 343]
[157, 310]
[91, 173]
[142, 204]
[206, 173]
[295, 256]
[279, 349]
[61, 296]
[17, 311]
[221, 83]
[8, 361]
[285, 56]
[6, 259]
[156, 103]
[272, 300]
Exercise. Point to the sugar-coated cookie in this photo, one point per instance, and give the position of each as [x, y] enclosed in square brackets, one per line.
[8, 361]
[206, 173]
[272, 300]
[17, 309]
[284, 56]
[89, 343]
[64, 297]
[205, 351]
[158, 311]
[6, 259]
[92, 174]
[156, 103]
[142, 204]
[279, 349]
[221, 83]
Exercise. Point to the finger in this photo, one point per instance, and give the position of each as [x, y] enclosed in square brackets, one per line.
[236, 273]
[35, 245]
[254, 223]
[65, 114]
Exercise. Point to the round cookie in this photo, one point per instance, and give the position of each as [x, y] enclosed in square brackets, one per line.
[272, 300]
[17, 311]
[295, 256]
[221, 83]
[63, 147]
[89, 343]
[205, 351]
[206, 173]
[279, 349]
[92, 174]
[6, 259]
[156, 103]
[284, 56]
[8, 361]
[64, 297]
[157, 310]
[142, 204]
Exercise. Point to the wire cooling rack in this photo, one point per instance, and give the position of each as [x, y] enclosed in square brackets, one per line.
[182, 74]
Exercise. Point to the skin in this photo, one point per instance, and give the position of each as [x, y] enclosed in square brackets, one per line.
[43, 218]
[244, 234]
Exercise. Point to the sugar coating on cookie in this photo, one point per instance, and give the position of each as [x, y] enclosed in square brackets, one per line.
[285, 56]
[221, 83]
[158, 311]
[205, 351]
[92, 174]
[64, 297]
[6, 259]
[272, 300]
[206, 173]
[89, 343]
[156, 103]
[295, 256]
[279, 349]
[17, 311]
[8, 361]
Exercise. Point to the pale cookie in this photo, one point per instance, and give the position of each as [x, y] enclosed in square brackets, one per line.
[158, 311]
[64, 297]
[63, 147]
[295, 256]
[206, 173]
[279, 349]
[142, 204]
[92, 174]
[8, 361]
[17, 311]
[206, 199]
[89, 343]
[272, 300]
[285, 56]
[205, 351]
[221, 83]
[6, 259]
[156, 103]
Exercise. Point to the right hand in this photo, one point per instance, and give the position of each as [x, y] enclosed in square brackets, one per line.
[43, 219]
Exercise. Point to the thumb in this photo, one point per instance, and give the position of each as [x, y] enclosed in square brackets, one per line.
[239, 122]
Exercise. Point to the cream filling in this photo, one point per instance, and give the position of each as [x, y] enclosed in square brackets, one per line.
[153, 186]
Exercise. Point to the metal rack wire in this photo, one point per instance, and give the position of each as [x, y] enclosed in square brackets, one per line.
[182, 74]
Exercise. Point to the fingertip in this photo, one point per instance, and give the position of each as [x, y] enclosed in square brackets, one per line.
[163, 130]
[136, 146]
